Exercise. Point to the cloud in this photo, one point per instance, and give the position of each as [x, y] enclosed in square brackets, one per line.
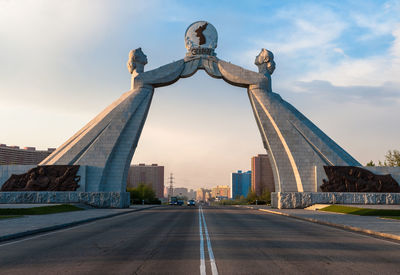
[54, 53]
[40, 41]
[48, 26]
[395, 48]
[304, 28]
[339, 50]
[316, 46]
[374, 71]
[318, 42]
[302, 37]
[386, 94]
[377, 19]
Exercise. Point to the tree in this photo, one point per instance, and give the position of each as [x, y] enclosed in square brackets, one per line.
[142, 193]
[266, 196]
[392, 158]
[251, 196]
[371, 163]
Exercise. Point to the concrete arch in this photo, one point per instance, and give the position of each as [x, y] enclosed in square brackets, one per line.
[298, 149]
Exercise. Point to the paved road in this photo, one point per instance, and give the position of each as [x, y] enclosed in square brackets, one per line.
[166, 240]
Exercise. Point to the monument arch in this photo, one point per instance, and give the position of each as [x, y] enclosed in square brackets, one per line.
[298, 149]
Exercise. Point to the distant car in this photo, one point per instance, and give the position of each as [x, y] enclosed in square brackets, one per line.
[191, 203]
[173, 201]
[180, 202]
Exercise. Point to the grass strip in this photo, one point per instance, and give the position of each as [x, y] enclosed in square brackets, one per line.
[9, 216]
[43, 210]
[361, 211]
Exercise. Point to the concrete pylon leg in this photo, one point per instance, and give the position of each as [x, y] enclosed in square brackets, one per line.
[107, 143]
[281, 158]
[117, 167]
[298, 149]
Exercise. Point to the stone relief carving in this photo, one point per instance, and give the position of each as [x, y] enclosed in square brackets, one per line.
[136, 61]
[265, 62]
[357, 179]
[45, 178]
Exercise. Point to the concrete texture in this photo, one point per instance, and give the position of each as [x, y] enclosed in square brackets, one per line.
[297, 148]
[284, 200]
[96, 199]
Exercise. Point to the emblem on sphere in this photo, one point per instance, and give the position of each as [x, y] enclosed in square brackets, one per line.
[201, 38]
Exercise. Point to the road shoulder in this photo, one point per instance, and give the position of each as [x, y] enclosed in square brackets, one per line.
[29, 225]
[375, 226]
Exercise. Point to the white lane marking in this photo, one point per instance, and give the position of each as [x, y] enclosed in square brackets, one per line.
[214, 269]
[202, 261]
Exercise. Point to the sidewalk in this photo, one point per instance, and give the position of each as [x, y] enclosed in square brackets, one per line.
[18, 227]
[386, 228]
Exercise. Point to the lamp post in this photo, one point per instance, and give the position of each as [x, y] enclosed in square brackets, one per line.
[143, 195]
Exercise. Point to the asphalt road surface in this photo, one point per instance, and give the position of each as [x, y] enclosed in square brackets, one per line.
[209, 240]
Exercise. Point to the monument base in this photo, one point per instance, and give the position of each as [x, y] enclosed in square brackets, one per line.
[290, 200]
[95, 199]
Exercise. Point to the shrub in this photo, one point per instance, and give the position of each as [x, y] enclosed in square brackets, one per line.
[143, 193]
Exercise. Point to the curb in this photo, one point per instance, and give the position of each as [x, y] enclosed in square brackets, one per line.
[66, 225]
[340, 226]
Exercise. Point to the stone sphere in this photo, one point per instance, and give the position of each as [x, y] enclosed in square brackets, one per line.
[201, 34]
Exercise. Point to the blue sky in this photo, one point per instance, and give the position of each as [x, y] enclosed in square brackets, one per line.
[338, 62]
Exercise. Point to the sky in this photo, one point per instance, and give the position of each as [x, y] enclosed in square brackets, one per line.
[338, 62]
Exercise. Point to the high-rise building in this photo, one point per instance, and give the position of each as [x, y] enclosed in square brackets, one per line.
[203, 194]
[27, 156]
[221, 192]
[151, 175]
[262, 178]
[241, 184]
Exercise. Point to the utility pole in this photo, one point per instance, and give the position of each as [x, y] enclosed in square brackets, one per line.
[171, 185]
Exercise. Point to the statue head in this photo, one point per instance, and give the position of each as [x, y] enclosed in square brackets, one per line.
[136, 61]
[265, 62]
